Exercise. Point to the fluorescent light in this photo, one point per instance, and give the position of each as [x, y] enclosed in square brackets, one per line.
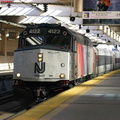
[24, 11]
[16, 11]
[7, 11]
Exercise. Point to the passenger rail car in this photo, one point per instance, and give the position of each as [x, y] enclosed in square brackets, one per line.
[51, 57]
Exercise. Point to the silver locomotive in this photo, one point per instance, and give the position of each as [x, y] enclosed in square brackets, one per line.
[52, 57]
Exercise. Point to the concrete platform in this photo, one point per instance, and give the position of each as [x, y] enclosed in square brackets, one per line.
[96, 99]
[6, 72]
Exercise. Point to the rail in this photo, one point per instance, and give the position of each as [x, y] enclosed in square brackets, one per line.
[6, 86]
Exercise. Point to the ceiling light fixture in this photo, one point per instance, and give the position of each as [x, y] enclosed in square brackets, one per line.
[72, 18]
[45, 7]
[9, 5]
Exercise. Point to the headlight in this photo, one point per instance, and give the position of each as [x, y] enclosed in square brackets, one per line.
[40, 57]
[62, 75]
[18, 74]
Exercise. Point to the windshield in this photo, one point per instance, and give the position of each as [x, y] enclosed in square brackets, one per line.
[30, 41]
[54, 40]
[61, 41]
[34, 40]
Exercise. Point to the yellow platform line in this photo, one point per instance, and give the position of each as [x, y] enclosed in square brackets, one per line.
[43, 108]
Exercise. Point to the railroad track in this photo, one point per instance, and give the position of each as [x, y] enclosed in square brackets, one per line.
[6, 86]
[12, 107]
[6, 95]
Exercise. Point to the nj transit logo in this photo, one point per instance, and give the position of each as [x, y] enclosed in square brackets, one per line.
[39, 68]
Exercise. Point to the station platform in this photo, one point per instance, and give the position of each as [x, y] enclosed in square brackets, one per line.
[96, 99]
[6, 72]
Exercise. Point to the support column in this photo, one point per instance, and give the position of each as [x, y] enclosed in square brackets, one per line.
[78, 5]
[4, 46]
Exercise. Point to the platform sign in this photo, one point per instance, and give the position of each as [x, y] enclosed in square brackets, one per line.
[101, 10]
[101, 15]
[102, 21]
[6, 1]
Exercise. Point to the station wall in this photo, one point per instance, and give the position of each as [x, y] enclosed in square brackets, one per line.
[7, 47]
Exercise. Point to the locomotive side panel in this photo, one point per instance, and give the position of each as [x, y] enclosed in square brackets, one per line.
[80, 61]
[85, 60]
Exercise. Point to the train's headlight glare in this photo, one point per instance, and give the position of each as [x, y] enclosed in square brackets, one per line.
[40, 59]
[62, 75]
[18, 74]
[40, 55]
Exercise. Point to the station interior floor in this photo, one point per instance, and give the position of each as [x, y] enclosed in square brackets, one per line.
[96, 99]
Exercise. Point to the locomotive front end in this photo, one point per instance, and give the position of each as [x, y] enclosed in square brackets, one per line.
[43, 60]
[42, 65]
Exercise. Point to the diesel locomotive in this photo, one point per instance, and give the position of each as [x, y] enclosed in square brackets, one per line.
[53, 57]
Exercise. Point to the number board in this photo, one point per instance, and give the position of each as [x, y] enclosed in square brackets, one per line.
[42, 31]
[34, 31]
[54, 31]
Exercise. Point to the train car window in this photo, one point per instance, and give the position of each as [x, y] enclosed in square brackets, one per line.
[117, 60]
[101, 60]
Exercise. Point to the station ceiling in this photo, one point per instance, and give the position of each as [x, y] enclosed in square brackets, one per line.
[20, 13]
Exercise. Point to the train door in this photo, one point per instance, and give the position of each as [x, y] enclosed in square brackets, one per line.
[97, 60]
[86, 55]
[85, 58]
[74, 58]
[105, 60]
[89, 57]
[112, 60]
[94, 61]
